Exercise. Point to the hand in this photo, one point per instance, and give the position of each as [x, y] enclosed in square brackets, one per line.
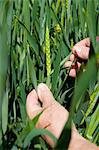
[80, 50]
[53, 117]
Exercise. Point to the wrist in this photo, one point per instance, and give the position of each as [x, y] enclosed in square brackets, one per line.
[79, 143]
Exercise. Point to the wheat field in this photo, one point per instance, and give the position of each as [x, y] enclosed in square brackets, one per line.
[36, 37]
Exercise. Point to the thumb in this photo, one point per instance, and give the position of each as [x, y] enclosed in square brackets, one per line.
[45, 95]
[81, 51]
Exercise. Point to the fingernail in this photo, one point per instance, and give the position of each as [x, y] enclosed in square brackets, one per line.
[78, 49]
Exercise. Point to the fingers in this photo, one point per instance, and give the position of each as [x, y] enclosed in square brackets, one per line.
[74, 67]
[82, 48]
[45, 95]
[32, 104]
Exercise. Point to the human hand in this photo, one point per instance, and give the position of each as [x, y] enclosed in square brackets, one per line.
[81, 51]
[53, 117]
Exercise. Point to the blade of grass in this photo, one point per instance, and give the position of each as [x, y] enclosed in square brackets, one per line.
[94, 122]
[22, 102]
[32, 72]
[37, 132]
[5, 112]
[30, 38]
[4, 47]
[93, 99]
[56, 71]
[91, 20]
[42, 21]
[82, 16]
[26, 14]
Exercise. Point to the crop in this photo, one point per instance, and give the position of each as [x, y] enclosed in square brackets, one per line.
[36, 37]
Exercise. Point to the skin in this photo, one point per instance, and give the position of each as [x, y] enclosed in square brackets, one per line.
[81, 50]
[54, 115]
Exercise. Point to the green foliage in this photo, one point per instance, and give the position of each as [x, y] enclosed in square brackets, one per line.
[36, 37]
[5, 37]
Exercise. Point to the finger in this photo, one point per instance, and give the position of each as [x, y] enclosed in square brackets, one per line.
[74, 68]
[68, 64]
[32, 105]
[81, 51]
[45, 95]
[74, 65]
[72, 73]
[72, 57]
